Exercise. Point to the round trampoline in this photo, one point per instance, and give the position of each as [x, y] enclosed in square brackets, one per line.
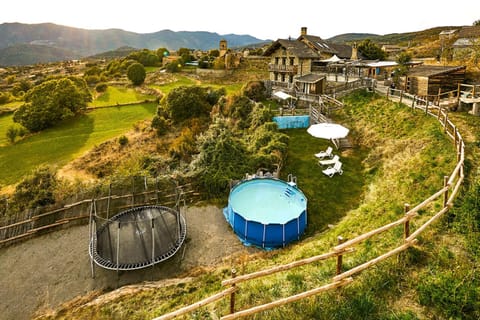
[267, 212]
[137, 238]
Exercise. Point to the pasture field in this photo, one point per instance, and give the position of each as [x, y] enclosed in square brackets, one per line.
[118, 95]
[61, 144]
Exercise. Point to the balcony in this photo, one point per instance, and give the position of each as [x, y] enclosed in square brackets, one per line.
[282, 68]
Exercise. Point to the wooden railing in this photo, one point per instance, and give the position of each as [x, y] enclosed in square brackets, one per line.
[33, 222]
[447, 193]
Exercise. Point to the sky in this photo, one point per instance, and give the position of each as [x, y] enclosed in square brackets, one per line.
[263, 19]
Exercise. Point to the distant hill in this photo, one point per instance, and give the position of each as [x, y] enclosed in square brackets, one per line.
[26, 54]
[402, 39]
[352, 37]
[77, 42]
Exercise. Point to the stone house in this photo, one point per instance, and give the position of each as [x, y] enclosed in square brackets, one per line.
[296, 64]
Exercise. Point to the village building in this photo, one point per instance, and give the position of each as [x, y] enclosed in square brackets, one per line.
[300, 64]
[426, 80]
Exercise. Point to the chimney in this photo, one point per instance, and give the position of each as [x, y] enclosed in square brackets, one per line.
[354, 52]
[303, 31]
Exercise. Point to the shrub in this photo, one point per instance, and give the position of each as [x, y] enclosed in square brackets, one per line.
[160, 124]
[36, 189]
[255, 90]
[101, 87]
[136, 73]
[123, 141]
[185, 102]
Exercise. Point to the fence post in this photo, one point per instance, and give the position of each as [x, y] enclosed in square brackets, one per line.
[401, 96]
[413, 102]
[232, 295]
[406, 230]
[455, 135]
[339, 256]
[445, 122]
[445, 195]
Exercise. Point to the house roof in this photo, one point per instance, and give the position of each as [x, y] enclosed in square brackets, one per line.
[310, 78]
[318, 44]
[463, 42]
[308, 46]
[293, 47]
[448, 32]
[429, 71]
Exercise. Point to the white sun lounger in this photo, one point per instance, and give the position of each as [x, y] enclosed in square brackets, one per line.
[325, 154]
[330, 171]
[328, 162]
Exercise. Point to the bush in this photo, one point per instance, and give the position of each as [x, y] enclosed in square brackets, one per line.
[186, 102]
[160, 124]
[5, 97]
[136, 73]
[255, 90]
[101, 87]
[36, 190]
[123, 141]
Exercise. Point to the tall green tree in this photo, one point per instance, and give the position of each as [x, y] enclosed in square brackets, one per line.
[136, 73]
[187, 102]
[371, 50]
[51, 102]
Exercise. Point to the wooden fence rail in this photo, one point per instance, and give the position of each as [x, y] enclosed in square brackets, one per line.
[28, 224]
[452, 182]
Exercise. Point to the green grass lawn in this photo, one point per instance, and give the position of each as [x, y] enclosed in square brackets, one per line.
[185, 81]
[118, 95]
[329, 199]
[5, 122]
[61, 144]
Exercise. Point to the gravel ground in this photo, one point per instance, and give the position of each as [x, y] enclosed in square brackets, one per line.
[40, 274]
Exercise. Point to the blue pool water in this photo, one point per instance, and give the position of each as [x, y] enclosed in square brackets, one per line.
[267, 212]
[292, 122]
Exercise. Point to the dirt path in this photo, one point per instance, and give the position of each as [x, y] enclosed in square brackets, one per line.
[41, 273]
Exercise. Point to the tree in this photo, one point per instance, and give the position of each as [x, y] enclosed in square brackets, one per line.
[185, 102]
[403, 59]
[52, 101]
[136, 73]
[371, 51]
[476, 23]
[36, 190]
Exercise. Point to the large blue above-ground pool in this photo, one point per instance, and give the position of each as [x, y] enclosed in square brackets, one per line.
[267, 212]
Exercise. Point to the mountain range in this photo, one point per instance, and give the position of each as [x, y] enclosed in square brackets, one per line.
[22, 44]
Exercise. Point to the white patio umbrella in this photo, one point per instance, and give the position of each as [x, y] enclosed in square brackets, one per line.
[330, 131]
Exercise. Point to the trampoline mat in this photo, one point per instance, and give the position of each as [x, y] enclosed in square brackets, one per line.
[138, 237]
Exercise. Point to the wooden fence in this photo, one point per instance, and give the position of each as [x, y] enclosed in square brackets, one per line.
[40, 220]
[447, 193]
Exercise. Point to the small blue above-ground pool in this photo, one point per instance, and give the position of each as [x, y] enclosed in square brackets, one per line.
[267, 212]
[292, 122]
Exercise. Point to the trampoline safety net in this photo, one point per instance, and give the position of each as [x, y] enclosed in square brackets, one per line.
[137, 238]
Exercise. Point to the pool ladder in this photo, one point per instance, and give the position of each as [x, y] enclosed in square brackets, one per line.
[289, 192]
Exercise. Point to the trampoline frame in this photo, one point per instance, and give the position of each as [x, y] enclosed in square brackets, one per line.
[106, 264]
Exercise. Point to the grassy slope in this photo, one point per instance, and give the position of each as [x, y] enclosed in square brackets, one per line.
[118, 95]
[404, 160]
[59, 145]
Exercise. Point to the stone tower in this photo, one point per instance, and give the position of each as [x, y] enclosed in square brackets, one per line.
[223, 47]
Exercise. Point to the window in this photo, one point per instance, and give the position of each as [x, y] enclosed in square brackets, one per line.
[283, 77]
[290, 79]
[292, 61]
[276, 60]
[284, 61]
